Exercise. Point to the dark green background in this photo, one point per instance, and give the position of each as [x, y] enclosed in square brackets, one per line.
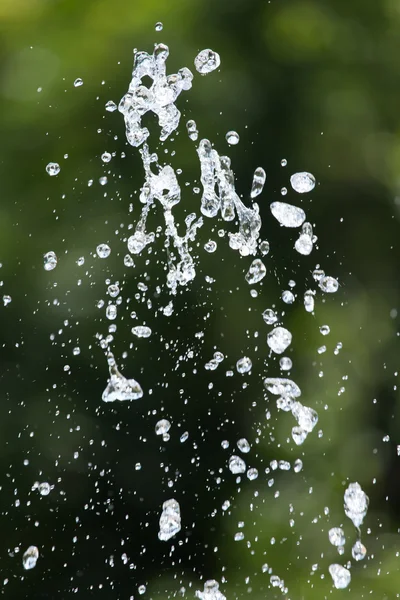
[314, 82]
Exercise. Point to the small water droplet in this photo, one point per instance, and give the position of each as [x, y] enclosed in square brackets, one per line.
[159, 26]
[78, 82]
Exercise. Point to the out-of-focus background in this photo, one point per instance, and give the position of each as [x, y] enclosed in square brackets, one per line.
[316, 83]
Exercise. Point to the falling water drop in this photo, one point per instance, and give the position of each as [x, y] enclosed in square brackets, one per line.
[232, 137]
[50, 261]
[53, 168]
[259, 178]
[302, 182]
[30, 557]
[287, 214]
[207, 61]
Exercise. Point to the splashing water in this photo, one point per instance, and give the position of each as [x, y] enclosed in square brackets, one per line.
[219, 206]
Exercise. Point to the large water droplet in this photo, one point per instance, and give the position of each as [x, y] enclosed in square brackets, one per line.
[207, 61]
[328, 284]
[141, 331]
[302, 182]
[53, 168]
[211, 591]
[243, 445]
[30, 557]
[287, 214]
[256, 272]
[236, 465]
[232, 137]
[170, 520]
[259, 178]
[50, 261]
[103, 250]
[336, 536]
[244, 365]
[340, 575]
[120, 388]
[358, 551]
[355, 503]
[162, 427]
[279, 339]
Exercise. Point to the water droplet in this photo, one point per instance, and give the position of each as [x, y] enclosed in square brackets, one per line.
[324, 329]
[44, 488]
[252, 474]
[78, 82]
[306, 417]
[309, 300]
[184, 437]
[264, 248]
[256, 272]
[76, 351]
[236, 465]
[111, 312]
[141, 589]
[239, 536]
[244, 365]
[211, 591]
[141, 331]
[106, 157]
[270, 316]
[355, 503]
[298, 465]
[287, 214]
[30, 558]
[210, 246]
[50, 261]
[159, 26]
[285, 363]
[340, 575]
[336, 536]
[243, 445]
[288, 297]
[304, 244]
[162, 427]
[232, 137]
[259, 178]
[170, 520]
[110, 106]
[207, 61]
[328, 284]
[53, 168]
[279, 339]
[358, 551]
[192, 130]
[283, 162]
[282, 387]
[302, 182]
[118, 387]
[103, 250]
